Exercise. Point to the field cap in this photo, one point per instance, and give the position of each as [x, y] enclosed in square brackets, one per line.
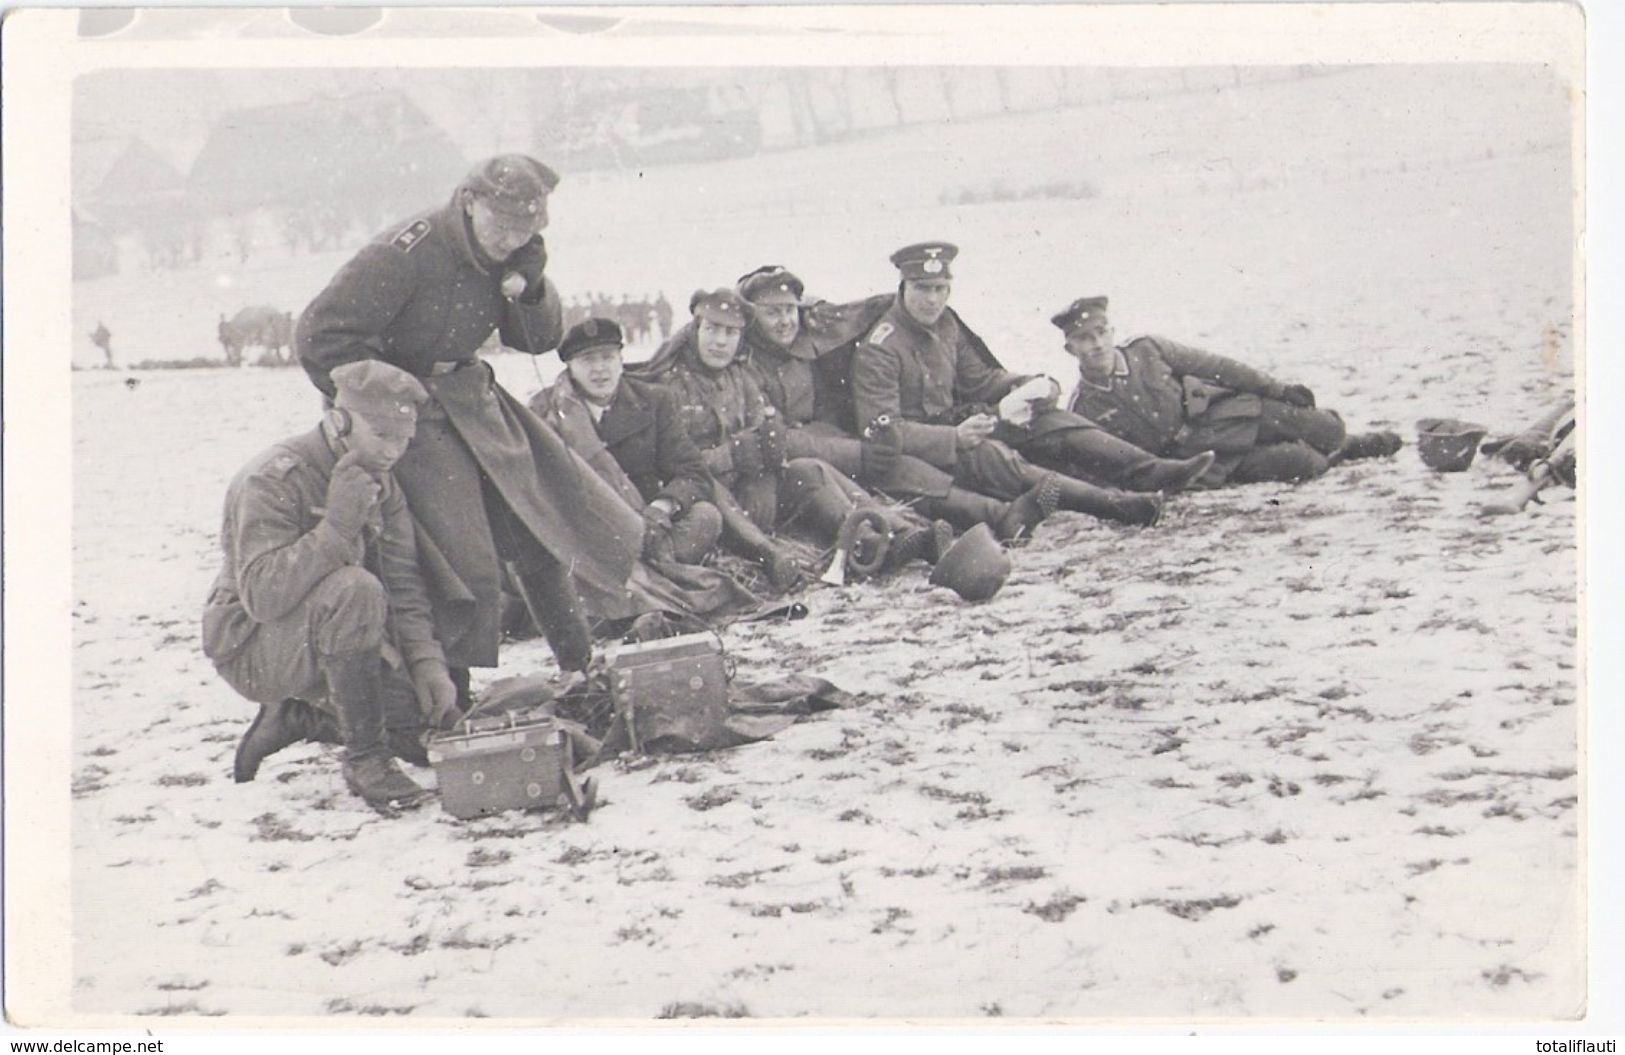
[1079, 312]
[513, 185]
[925, 259]
[772, 284]
[589, 335]
[722, 306]
[385, 395]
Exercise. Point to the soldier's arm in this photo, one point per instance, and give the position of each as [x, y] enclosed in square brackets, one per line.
[1219, 369]
[534, 326]
[876, 390]
[403, 581]
[679, 462]
[347, 320]
[277, 562]
[978, 381]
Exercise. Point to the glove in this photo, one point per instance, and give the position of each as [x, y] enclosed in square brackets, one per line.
[1521, 450]
[352, 492]
[746, 450]
[437, 695]
[657, 533]
[1297, 395]
[775, 441]
[880, 450]
[528, 262]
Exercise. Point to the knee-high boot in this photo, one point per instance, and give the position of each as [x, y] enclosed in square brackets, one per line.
[1103, 456]
[742, 531]
[1078, 496]
[355, 690]
[1009, 520]
[276, 726]
[550, 595]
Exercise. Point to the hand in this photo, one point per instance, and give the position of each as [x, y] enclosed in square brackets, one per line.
[775, 441]
[1297, 395]
[437, 695]
[746, 450]
[525, 268]
[657, 531]
[352, 492]
[1048, 402]
[1522, 450]
[969, 434]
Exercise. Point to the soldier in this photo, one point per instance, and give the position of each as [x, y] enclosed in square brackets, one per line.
[663, 314]
[1173, 399]
[919, 363]
[740, 438]
[102, 338]
[491, 486]
[794, 373]
[632, 434]
[319, 613]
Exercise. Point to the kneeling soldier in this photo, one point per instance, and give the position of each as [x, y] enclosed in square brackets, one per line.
[319, 613]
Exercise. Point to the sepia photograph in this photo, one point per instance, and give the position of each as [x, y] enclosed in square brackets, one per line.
[813, 515]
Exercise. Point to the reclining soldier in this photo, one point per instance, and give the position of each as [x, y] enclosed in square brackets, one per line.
[921, 364]
[319, 613]
[1173, 399]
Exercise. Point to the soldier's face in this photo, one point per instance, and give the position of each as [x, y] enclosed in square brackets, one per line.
[1092, 345]
[597, 373]
[379, 445]
[718, 343]
[926, 298]
[500, 235]
[780, 322]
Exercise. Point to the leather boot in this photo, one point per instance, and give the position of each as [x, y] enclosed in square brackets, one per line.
[1079, 497]
[1009, 520]
[1102, 456]
[278, 725]
[550, 595]
[1367, 445]
[369, 770]
[927, 542]
[740, 529]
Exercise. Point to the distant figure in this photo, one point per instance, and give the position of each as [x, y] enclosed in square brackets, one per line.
[261, 326]
[102, 338]
[230, 343]
[663, 315]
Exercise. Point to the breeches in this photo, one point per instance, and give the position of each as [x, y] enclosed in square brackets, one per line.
[345, 612]
[995, 469]
[908, 477]
[1280, 422]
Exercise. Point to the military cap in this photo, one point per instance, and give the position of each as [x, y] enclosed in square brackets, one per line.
[1079, 312]
[925, 259]
[720, 306]
[379, 392]
[771, 284]
[513, 185]
[589, 334]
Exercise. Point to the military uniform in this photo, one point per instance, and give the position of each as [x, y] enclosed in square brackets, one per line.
[639, 446]
[1175, 400]
[486, 481]
[292, 590]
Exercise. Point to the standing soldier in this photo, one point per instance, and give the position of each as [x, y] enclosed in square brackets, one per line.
[489, 484]
[663, 313]
[919, 363]
[1172, 399]
[102, 338]
[319, 613]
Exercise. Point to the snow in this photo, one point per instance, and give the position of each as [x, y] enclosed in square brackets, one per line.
[1296, 752]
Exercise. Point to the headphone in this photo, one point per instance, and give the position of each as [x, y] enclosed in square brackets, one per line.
[342, 423]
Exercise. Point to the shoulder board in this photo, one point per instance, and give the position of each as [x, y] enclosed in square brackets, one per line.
[410, 235]
[879, 334]
[280, 464]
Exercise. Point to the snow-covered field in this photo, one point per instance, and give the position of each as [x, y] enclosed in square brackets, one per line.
[1298, 751]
